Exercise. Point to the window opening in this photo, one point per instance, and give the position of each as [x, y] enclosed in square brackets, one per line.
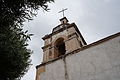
[50, 54]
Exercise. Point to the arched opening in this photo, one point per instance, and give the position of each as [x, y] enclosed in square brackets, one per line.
[60, 47]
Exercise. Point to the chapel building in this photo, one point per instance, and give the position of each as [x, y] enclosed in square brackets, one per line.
[67, 56]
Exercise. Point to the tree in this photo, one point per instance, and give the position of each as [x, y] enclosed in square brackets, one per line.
[14, 55]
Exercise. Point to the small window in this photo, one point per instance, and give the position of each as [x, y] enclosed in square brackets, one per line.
[80, 44]
[63, 22]
[50, 55]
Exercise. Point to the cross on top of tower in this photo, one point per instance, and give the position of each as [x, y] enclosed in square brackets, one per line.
[63, 10]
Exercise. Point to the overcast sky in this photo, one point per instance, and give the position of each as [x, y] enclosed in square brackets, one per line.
[95, 19]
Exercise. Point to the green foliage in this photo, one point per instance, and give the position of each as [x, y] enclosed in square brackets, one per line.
[16, 11]
[14, 55]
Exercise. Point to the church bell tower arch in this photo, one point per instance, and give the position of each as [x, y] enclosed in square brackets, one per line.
[64, 39]
[60, 48]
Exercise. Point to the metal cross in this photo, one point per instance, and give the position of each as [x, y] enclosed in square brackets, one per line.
[63, 10]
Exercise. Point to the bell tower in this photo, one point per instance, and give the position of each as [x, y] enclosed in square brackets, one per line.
[64, 39]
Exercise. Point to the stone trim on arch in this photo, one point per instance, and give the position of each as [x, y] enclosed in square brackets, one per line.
[60, 36]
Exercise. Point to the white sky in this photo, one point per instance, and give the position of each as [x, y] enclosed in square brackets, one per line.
[95, 19]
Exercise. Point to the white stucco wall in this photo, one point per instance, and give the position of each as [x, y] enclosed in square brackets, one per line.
[99, 62]
[54, 71]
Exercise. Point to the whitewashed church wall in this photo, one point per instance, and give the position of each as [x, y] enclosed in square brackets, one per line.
[100, 62]
[54, 71]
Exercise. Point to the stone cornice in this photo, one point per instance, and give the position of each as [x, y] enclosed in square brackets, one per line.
[60, 30]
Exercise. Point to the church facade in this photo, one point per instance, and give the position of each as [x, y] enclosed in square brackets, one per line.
[66, 56]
